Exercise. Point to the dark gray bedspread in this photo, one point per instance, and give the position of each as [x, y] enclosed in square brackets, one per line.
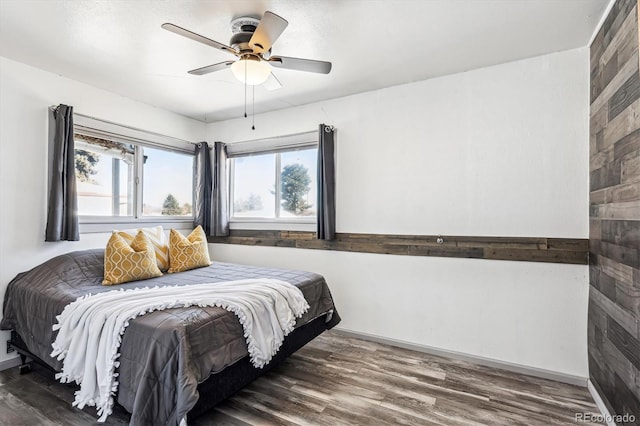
[164, 354]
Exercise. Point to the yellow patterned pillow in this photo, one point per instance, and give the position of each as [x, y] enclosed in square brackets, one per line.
[188, 252]
[124, 262]
[157, 238]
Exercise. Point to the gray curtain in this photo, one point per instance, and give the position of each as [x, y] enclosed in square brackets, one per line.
[326, 184]
[220, 226]
[203, 188]
[210, 197]
[62, 210]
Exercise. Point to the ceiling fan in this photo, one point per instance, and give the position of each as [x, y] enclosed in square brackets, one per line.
[251, 43]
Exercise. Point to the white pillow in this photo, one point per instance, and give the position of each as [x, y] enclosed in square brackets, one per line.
[157, 237]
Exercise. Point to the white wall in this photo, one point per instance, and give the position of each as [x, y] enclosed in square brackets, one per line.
[499, 151]
[527, 313]
[25, 95]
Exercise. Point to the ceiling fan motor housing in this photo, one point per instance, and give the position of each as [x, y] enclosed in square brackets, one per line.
[243, 29]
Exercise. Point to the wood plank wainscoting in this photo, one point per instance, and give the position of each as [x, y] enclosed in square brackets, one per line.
[531, 249]
[614, 235]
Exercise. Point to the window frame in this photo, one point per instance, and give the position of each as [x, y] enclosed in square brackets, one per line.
[140, 139]
[275, 145]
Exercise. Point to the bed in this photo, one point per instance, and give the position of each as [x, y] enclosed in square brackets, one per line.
[176, 362]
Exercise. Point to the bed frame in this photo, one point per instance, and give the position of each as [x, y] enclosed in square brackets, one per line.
[220, 386]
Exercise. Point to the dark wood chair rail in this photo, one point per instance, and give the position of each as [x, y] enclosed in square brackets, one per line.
[528, 249]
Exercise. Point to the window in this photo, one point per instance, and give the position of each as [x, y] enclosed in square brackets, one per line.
[127, 180]
[104, 177]
[274, 180]
[253, 186]
[167, 184]
[106, 174]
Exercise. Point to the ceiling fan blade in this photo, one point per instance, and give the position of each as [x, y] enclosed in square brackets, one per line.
[299, 64]
[211, 68]
[272, 83]
[268, 31]
[197, 37]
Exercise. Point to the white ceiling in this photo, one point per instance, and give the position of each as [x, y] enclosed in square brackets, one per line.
[119, 45]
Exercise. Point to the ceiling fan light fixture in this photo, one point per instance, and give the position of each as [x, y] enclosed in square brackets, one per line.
[255, 70]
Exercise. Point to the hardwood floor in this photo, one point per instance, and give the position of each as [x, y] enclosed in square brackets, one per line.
[337, 380]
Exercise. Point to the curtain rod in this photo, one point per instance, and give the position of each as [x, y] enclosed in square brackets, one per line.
[54, 107]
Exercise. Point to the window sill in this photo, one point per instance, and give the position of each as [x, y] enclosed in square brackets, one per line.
[101, 224]
[308, 225]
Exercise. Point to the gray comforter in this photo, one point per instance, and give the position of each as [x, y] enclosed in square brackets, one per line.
[164, 354]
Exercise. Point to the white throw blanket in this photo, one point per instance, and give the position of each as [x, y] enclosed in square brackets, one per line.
[91, 328]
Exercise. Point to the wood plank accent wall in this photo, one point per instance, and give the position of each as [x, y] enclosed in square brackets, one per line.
[614, 236]
[555, 250]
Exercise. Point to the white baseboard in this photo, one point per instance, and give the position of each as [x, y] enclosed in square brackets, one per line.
[10, 363]
[600, 404]
[489, 362]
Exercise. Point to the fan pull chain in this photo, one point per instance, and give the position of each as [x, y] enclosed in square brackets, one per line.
[253, 109]
[245, 89]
